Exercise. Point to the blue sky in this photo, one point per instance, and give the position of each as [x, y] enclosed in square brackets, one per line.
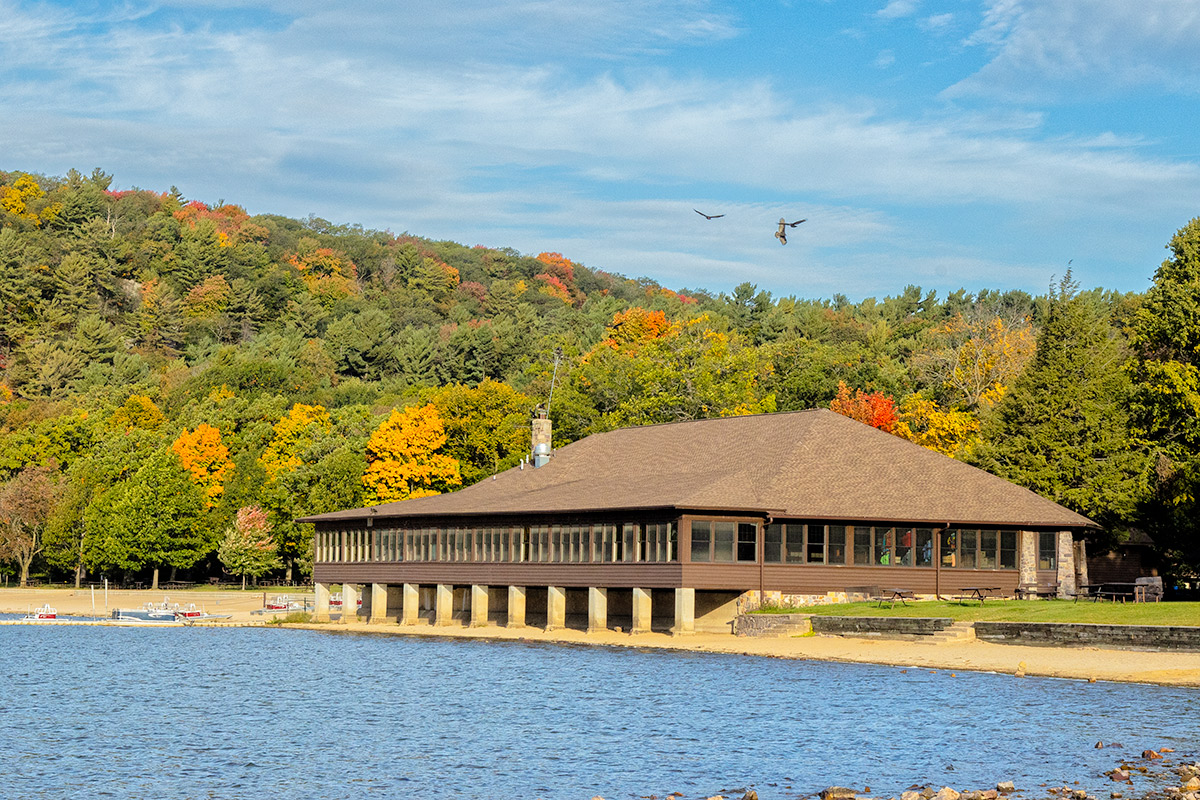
[944, 143]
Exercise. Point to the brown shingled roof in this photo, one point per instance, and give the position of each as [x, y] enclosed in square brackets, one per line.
[805, 464]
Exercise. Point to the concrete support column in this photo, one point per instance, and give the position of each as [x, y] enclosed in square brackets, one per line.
[349, 603]
[685, 612]
[516, 606]
[379, 609]
[641, 611]
[597, 609]
[1066, 564]
[410, 605]
[479, 606]
[556, 608]
[443, 605]
[321, 610]
[1028, 559]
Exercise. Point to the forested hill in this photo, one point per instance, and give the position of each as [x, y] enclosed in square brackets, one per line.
[165, 364]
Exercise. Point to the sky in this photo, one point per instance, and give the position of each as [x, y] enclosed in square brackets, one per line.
[976, 144]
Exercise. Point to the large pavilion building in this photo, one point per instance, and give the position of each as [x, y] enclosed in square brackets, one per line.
[680, 526]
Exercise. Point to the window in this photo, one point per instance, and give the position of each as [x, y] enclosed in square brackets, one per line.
[701, 540]
[1008, 549]
[815, 544]
[948, 546]
[630, 536]
[923, 548]
[862, 545]
[723, 539]
[835, 544]
[989, 542]
[773, 543]
[885, 542]
[747, 541]
[967, 544]
[793, 543]
[1047, 551]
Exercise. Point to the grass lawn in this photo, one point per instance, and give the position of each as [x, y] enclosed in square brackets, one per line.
[1022, 611]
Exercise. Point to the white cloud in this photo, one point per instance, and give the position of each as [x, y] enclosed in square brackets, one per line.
[884, 59]
[1086, 47]
[937, 22]
[896, 9]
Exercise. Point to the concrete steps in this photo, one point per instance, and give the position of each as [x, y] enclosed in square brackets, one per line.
[960, 631]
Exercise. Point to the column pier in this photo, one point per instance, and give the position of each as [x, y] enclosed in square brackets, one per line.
[479, 606]
[349, 603]
[321, 609]
[443, 606]
[685, 612]
[641, 611]
[516, 606]
[1028, 558]
[597, 609]
[410, 604]
[556, 608]
[379, 609]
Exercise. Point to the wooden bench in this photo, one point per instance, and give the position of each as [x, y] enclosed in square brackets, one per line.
[1028, 590]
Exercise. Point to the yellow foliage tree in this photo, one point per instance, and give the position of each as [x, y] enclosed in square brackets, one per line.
[295, 432]
[19, 199]
[402, 457]
[979, 359]
[138, 411]
[944, 430]
[206, 458]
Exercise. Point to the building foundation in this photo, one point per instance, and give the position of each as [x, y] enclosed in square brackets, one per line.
[479, 606]
[516, 607]
[597, 609]
[556, 608]
[641, 611]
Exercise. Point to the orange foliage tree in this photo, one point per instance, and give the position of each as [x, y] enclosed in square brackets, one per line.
[206, 458]
[875, 409]
[636, 326]
[328, 273]
[402, 457]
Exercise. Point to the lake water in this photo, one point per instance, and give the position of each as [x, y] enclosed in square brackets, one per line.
[277, 714]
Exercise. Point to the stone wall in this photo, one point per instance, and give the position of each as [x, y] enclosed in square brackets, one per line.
[749, 602]
[1124, 637]
[772, 624]
[881, 626]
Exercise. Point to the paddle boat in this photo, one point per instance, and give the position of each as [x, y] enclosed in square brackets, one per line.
[45, 612]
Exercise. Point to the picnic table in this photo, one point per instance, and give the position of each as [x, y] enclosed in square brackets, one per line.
[1112, 590]
[977, 592]
[1027, 590]
[892, 595]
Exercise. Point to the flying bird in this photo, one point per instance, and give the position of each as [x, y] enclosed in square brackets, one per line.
[781, 234]
[708, 216]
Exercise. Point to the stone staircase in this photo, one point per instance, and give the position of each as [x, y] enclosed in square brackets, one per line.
[960, 631]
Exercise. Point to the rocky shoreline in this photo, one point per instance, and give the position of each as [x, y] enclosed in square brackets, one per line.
[1154, 775]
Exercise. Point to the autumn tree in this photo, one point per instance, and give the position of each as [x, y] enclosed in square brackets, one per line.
[26, 503]
[977, 357]
[206, 458]
[249, 547]
[294, 433]
[948, 431]
[403, 458]
[138, 411]
[872, 408]
[486, 426]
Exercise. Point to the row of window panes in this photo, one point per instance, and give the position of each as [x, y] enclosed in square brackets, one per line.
[817, 543]
[613, 542]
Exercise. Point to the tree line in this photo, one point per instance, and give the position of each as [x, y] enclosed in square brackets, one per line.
[180, 380]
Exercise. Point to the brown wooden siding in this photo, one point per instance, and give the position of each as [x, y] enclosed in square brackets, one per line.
[786, 578]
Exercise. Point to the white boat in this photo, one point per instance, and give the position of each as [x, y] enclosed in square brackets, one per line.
[45, 612]
[336, 602]
[155, 613]
[190, 613]
[284, 603]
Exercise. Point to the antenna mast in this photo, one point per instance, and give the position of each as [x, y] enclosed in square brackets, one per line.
[558, 354]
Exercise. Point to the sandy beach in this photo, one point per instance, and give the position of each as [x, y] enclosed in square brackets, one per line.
[1178, 669]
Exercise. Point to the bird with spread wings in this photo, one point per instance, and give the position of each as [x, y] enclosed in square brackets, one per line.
[707, 216]
[781, 234]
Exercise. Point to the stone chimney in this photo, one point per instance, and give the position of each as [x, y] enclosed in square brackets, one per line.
[541, 437]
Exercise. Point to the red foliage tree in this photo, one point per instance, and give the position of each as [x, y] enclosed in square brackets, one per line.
[875, 409]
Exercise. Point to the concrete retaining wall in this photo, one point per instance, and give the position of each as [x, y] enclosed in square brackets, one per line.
[881, 626]
[1125, 637]
[772, 624]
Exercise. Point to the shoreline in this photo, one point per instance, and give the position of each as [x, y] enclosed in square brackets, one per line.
[1072, 663]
